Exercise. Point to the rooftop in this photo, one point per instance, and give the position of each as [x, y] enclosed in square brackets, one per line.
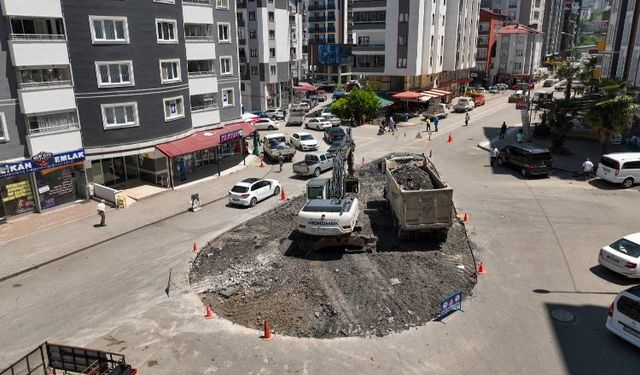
[517, 29]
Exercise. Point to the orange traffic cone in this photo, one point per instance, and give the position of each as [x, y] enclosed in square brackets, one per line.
[465, 219]
[267, 332]
[261, 162]
[450, 139]
[481, 270]
[283, 196]
[418, 135]
[209, 313]
[195, 247]
[430, 153]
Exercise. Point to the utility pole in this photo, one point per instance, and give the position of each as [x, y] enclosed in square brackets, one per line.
[527, 125]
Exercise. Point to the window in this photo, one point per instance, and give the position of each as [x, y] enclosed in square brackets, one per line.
[119, 115]
[223, 33]
[222, 4]
[272, 52]
[520, 39]
[200, 67]
[173, 108]
[271, 16]
[403, 17]
[241, 34]
[632, 165]
[518, 52]
[242, 87]
[363, 40]
[165, 1]
[166, 31]
[252, 34]
[402, 62]
[481, 53]
[443, 20]
[114, 73]
[536, 15]
[254, 70]
[4, 134]
[272, 34]
[225, 65]
[52, 122]
[272, 69]
[227, 97]
[402, 40]
[204, 101]
[517, 66]
[252, 16]
[431, 41]
[253, 52]
[44, 77]
[483, 40]
[109, 29]
[170, 71]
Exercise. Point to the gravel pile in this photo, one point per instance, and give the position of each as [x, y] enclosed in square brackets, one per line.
[264, 270]
[411, 177]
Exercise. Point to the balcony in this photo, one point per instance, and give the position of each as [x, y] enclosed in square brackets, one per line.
[200, 50]
[202, 84]
[367, 48]
[319, 18]
[60, 141]
[202, 32]
[204, 109]
[196, 11]
[317, 30]
[357, 4]
[46, 99]
[32, 8]
[29, 48]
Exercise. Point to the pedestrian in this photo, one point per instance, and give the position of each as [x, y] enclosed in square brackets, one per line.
[101, 208]
[587, 168]
[466, 119]
[436, 122]
[392, 124]
[280, 161]
[284, 113]
[520, 136]
[503, 130]
[494, 155]
[427, 122]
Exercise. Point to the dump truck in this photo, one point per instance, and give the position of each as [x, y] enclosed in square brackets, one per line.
[421, 202]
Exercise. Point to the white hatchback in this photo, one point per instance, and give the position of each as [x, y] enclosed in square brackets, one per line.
[303, 141]
[622, 256]
[624, 315]
[250, 191]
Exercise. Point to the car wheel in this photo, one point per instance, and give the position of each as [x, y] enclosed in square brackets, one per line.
[524, 172]
[627, 183]
[500, 161]
[253, 202]
[316, 173]
[270, 127]
[276, 191]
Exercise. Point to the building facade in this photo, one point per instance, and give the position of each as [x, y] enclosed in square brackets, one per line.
[328, 45]
[489, 23]
[518, 49]
[526, 12]
[621, 56]
[407, 44]
[552, 28]
[93, 88]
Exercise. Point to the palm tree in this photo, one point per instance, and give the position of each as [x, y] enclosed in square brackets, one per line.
[609, 117]
[568, 72]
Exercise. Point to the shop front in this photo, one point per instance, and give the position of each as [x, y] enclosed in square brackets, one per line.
[44, 181]
[131, 170]
[206, 153]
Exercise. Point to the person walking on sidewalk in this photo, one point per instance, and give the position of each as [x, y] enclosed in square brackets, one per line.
[427, 122]
[503, 130]
[280, 161]
[587, 168]
[520, 136]
[436, 122]
[494, 155]
[466, 119]
[101, 208]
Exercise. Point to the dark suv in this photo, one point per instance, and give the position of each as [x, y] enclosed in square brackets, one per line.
[530, 159]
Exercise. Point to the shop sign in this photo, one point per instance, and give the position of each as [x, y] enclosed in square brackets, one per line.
[227, 137]
[39, 161]
[521, 104]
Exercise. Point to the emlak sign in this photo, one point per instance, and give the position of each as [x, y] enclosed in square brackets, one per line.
[39, 161]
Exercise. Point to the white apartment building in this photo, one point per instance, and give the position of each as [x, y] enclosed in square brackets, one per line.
[270, 49]
[411, 44]
[621, 56]
[518, 49]
[526, 12]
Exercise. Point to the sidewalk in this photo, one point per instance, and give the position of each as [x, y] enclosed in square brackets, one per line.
[47, 244]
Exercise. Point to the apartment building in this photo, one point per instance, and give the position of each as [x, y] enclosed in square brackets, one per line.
[94, 89]
[552, 29]
[569, 27]
[270, 51]
[488, 25]
[329, 45]
[621, 56]
[518, 49]
[526, 12]
[408, 44]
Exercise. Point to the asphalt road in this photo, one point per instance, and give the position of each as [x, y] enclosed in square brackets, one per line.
[538, 239]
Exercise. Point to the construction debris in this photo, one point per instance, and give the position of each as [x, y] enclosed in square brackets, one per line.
[411, 177]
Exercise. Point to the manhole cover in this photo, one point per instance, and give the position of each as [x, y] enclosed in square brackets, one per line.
[562, 315]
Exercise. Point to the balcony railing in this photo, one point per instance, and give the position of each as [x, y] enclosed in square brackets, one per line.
[199, 38]
[205, 2]
[53, 128]
[203, 107]
[32, 85]
[201, 73]
[37, 37]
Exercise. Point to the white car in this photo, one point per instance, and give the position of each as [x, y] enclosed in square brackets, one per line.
[275, 113]
[250, 191]
[304, 141]
[464, 104]
[266, 124]
[318, 123]
[622, 256]
[624, 315]
[620, 168]
[334, 120]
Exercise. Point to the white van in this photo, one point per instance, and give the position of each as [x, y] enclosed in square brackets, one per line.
[620, 168]
[624, 315]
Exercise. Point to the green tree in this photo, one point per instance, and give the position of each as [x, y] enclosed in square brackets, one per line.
[609, 117]
[569, 73]
[557, 117]
[361, 104]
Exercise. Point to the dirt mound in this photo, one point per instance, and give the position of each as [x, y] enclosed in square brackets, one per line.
[411, 177]
[260, 271]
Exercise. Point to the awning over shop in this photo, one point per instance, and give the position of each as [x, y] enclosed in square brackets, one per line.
[384, 103]
[407, 95]
[305, 86]
[435, 93]
[206, 139]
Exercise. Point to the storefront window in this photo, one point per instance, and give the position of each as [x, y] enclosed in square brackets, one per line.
[232, 148]
[58, 186]
[17, 196]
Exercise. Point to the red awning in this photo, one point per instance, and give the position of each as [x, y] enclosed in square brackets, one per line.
[441, 92]
[407, 95]
[202, 140]
[305, 86]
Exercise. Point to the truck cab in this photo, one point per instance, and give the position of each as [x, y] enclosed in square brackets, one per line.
[318, 188]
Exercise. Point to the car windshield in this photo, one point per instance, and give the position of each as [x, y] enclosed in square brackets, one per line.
[626, 247]
[629, 307]
[306, 137]
[609, 162]
[239, 189]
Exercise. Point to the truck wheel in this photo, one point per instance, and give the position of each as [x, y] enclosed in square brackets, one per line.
[627, 183]
[253, 202]
[316, 173]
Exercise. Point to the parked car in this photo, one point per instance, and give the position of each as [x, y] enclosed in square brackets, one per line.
[560, 86]
[339, 93]
[620, 168]
[480, 90]
[266, 124]
[464, 104]
[314, 163]
[478, 99]
[334, 120]
[304, 141]
[260, 113]
[530, 159]
[296, 117]
[494, 89]
[322, 95]
[275, 113]
[622, 256]
[317, 123]
[516, 96]
[549, 82]
[439, 110]
[624, 315]
[250, 191]
[333, 134]
[303, 105]
[502, 86]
